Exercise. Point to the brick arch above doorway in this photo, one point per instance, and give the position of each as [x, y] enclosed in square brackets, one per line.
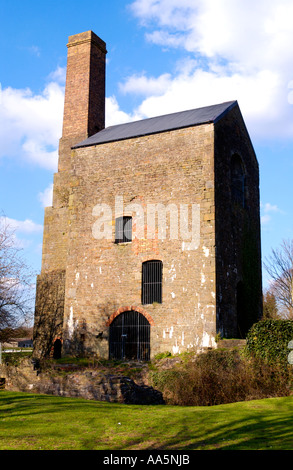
[128, 309]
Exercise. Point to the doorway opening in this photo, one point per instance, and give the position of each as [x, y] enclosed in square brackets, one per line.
[57, 349]
[130, 337]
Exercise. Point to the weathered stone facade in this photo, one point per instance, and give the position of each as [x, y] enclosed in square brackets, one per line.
[189, 172]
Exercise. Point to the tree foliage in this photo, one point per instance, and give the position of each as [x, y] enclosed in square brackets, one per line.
[269, 340]
[270, 309]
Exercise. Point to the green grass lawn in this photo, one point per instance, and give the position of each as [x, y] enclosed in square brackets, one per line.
[32, 422]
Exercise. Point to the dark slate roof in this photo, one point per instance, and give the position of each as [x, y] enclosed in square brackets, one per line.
[193, 117]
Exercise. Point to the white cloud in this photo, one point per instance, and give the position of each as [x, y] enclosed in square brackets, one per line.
[38, 153]
[140, 84]
[165, 38]
[231, 49]
[26, 226]
[256, 94]
[46, 197]
[114, 115]
[267, 209]
[255, 33]
[30, 124]
[245, 46]
[21, 231]
[270, 207]
[290, 94]
[265, 219]
[35, 50]
[58, 75]
[167, 13]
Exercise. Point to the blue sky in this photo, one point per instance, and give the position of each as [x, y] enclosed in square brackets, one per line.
[163, 56]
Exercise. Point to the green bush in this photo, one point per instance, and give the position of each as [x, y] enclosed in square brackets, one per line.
[269, 339]
[163, 355]
[222, 376]
[14, 358]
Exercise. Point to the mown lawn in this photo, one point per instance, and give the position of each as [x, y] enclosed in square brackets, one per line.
[32, 422]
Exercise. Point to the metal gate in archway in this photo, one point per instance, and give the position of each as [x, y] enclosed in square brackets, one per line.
[130, 337]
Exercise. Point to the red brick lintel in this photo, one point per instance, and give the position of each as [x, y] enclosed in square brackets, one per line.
[128, 309]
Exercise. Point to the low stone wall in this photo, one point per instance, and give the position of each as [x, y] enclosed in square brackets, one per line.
[231, 343]
[88, 384]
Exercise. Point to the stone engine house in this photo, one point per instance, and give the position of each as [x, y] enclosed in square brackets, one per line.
[152, 243]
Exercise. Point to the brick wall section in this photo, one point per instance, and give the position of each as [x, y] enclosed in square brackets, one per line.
[84, 107]
[102, 277]
[128, 308]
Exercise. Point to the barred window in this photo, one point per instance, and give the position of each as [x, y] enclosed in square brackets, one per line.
[123, 229]
[152, 282]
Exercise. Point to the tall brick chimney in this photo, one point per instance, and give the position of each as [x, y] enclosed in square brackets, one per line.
[84, 107]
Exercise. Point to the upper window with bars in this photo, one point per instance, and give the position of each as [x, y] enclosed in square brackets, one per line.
[152, 272]
[123, 229]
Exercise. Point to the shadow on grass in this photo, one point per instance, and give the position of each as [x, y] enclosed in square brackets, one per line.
[74, 423]
[245, 426]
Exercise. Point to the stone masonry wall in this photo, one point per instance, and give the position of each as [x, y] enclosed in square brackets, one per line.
[49, 309]
[92, 279]
[89, 384]
[169, 168]
[84, 114]
[237, 230]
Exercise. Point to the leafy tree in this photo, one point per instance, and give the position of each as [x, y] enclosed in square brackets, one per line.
[270, 309]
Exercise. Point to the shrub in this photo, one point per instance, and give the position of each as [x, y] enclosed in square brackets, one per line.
[269, 339]
[219, 377]
[162, 355]
[15, 358]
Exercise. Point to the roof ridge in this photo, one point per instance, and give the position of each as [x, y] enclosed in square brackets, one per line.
[158, 124]
[172, 114]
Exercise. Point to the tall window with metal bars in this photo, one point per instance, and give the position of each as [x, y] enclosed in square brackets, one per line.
[123, 229]
[151, 291]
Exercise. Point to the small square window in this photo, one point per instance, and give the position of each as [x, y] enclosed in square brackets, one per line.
[123, 229]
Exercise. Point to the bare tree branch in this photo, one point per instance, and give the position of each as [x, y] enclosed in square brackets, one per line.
[15, 281]
[280, 268]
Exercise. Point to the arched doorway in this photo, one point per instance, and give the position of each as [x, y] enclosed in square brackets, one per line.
[57, 349]
[130, 337]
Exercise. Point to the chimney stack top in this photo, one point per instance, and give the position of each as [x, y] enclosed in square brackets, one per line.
[87, 36]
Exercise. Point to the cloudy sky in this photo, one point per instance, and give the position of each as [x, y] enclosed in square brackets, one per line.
[163, 56]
